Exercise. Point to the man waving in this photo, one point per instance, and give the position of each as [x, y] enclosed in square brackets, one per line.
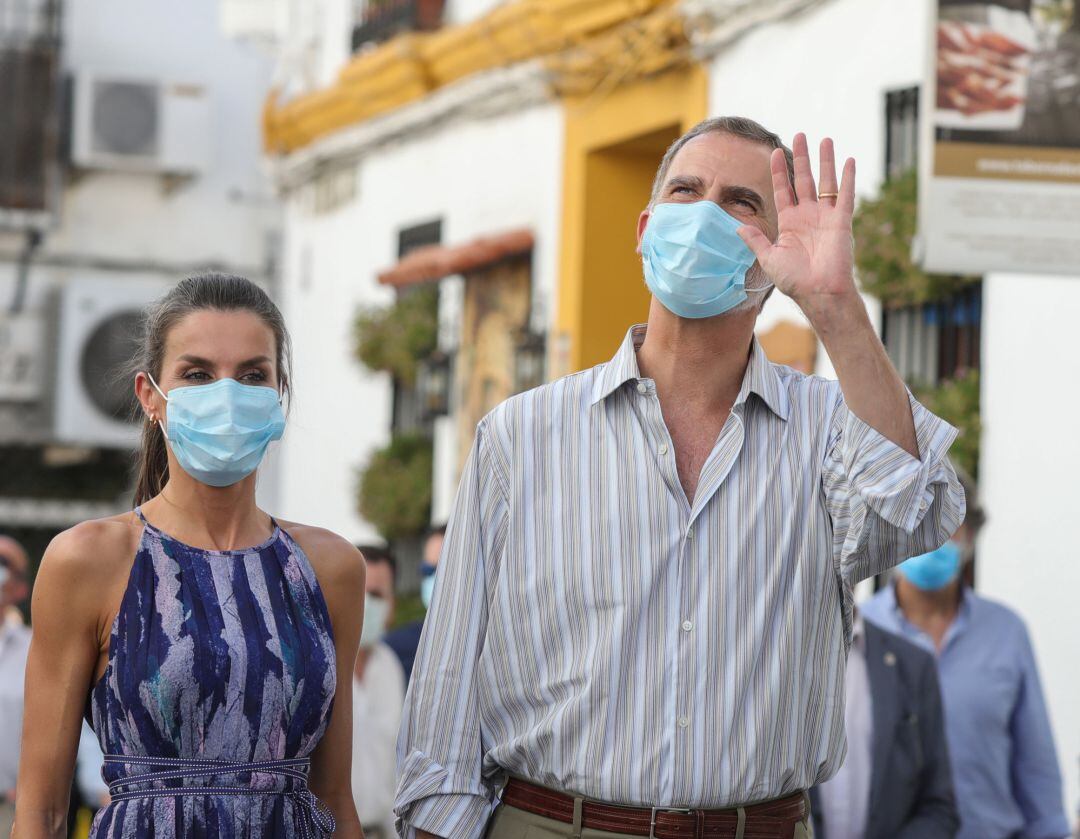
[644, 600]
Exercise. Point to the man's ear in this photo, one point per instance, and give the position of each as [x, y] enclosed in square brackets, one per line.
[642, 222]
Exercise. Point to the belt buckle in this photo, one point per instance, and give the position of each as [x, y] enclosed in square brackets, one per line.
[682, 811]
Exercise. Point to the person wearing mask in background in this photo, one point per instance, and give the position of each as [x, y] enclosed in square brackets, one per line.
[895, 782]
[1005, 769]
[14, 647]
[405, 639]
[378, 697]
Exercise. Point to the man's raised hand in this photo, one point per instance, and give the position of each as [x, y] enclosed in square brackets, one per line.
[812, 258]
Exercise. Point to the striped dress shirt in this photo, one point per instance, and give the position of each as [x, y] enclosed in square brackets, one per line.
[594, 632]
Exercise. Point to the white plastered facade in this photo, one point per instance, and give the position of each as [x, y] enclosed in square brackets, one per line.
[479, 177]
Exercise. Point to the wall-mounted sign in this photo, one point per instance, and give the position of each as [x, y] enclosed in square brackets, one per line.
[1000, 185]
[22, 356]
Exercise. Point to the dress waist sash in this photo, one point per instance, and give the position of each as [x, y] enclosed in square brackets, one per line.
[315, 819]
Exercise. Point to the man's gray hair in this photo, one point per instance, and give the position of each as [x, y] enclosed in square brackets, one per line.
[736, 127]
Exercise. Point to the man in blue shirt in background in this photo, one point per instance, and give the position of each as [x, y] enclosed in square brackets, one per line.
[405, 639]
[1005, 768]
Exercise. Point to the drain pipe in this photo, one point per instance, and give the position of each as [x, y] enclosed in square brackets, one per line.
[22, 274]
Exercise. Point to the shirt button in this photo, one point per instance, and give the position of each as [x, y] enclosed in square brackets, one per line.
[663, 448]
[687, 625]
[690, 533]
[923, 505]
[683, 722]
[641, 388]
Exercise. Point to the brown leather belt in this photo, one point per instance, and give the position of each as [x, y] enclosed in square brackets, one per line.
[769, 820]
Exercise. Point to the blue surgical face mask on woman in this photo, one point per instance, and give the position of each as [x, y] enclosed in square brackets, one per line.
[935, 570]
[219, 432]
[694, 261]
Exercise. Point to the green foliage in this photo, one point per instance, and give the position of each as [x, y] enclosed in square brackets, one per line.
[408, 609]
[395, 338]
[395, 487]
[957, 402]
[884, 228]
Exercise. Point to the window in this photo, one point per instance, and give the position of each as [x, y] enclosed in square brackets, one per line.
[932, 342]
[411, 238]
[380, 20]
[901, 131]
[29, 67]
[410, 414]
[936, 341]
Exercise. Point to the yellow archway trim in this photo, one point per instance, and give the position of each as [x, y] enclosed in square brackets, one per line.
[589, 43]
[611, 148]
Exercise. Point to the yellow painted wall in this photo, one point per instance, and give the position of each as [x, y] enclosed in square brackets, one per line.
[580, 36]
[613, 146]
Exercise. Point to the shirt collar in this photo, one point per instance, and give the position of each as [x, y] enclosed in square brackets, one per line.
[760, 377]
[963, 613]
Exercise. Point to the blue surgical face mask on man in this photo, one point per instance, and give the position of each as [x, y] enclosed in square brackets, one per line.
[427, 584]
[694, 261]
[219, 432]
[376, 611]
[935, 570]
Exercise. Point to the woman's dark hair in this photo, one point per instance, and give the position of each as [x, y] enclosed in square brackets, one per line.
[223, 292]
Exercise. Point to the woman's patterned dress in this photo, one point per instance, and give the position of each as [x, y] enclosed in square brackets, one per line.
[219, 684]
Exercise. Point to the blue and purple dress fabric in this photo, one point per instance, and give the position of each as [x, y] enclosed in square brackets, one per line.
[219, 685]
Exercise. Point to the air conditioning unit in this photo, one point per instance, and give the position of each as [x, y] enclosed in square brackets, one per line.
[140, 125]
[99, 332]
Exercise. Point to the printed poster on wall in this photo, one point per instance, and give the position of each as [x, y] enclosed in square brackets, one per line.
[1000, 172]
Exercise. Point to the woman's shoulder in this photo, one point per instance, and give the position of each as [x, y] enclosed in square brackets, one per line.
[84, 569]
[335, 560]
[93, 547]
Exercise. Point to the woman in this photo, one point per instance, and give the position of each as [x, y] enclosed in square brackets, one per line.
[209, 667]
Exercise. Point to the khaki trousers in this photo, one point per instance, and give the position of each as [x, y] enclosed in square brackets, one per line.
[512, 823]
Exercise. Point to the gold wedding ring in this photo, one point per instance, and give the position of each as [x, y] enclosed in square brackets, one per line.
[828, 195]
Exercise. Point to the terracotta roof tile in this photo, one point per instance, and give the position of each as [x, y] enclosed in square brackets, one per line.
[433, 262]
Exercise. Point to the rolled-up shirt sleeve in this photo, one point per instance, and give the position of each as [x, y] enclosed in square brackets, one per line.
[885, 504]
[441, 788]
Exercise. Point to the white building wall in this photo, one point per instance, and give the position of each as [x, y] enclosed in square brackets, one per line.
[142, 228]
[826, 72]
[788, 77]
[462, 11]
[479, 177]
[1029, 556]
[222, 216]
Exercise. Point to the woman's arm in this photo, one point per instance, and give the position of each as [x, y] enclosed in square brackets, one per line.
[67, 621]
[341, 573]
